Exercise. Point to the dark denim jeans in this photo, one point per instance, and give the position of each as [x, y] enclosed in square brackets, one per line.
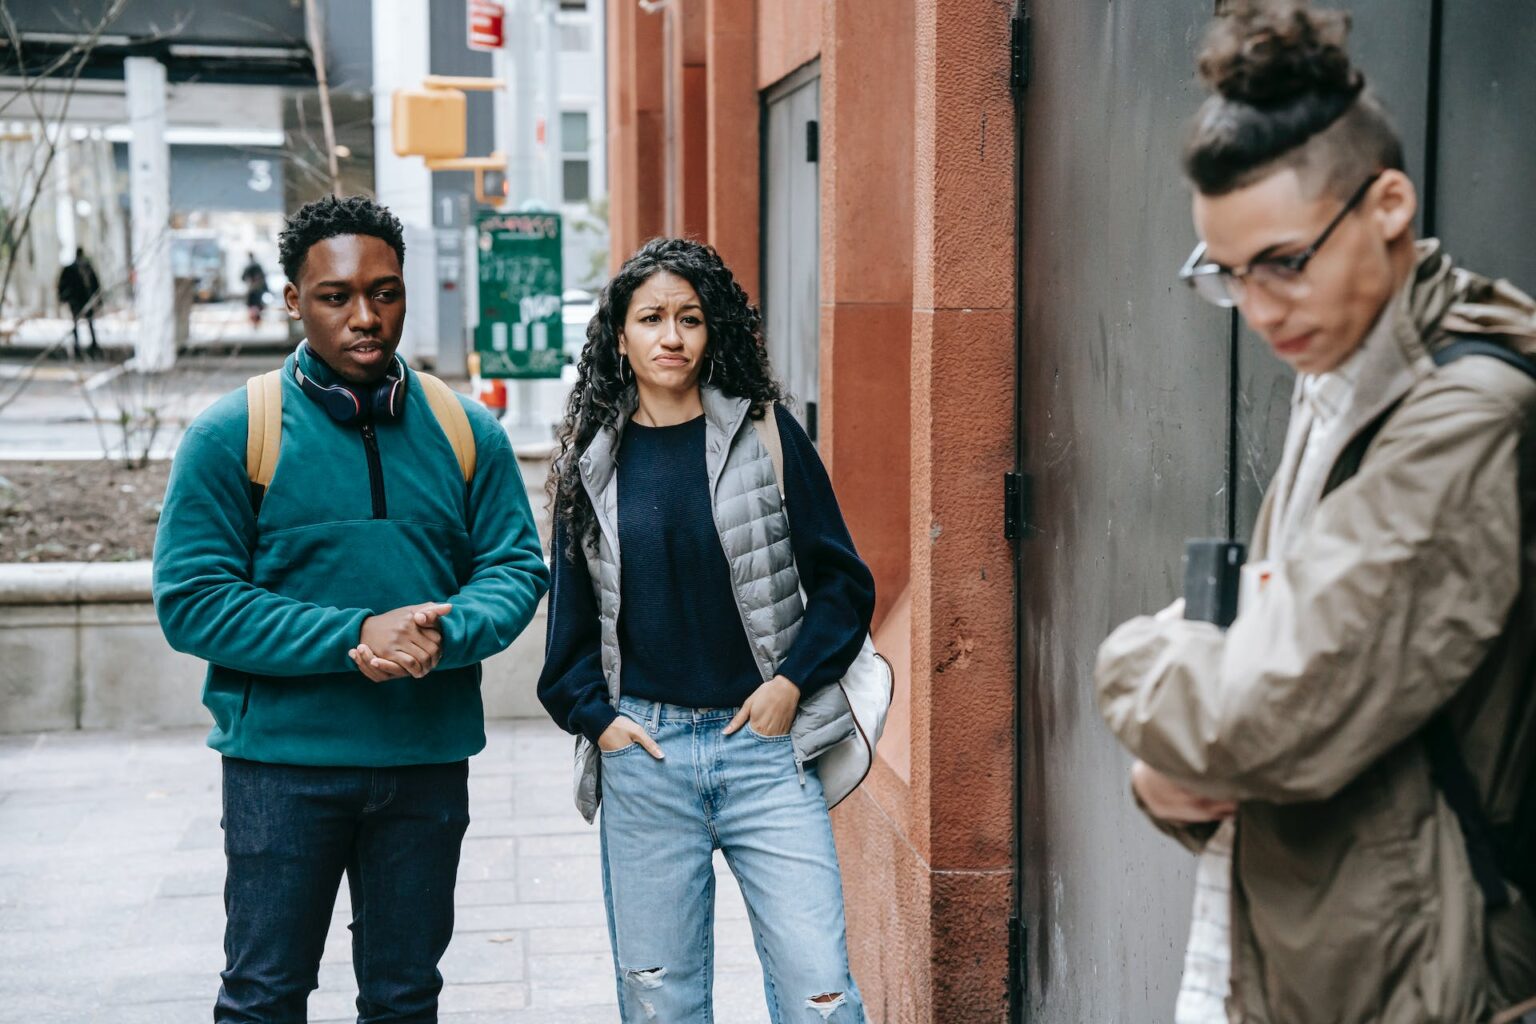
[289, 834]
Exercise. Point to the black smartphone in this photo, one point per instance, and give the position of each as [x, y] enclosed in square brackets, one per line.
[1212, 570]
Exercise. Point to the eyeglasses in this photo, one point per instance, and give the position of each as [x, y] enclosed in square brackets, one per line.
[1279, 275]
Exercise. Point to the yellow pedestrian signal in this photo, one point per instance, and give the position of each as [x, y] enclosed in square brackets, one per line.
[428, 122]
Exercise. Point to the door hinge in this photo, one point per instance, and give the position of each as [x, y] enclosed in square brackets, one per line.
[1017, 497]
[1018, 54]
[1018, 966]
[812, 142]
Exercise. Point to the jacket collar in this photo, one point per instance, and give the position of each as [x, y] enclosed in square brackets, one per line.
[1438, 298]
[598, 462]
[723, 417]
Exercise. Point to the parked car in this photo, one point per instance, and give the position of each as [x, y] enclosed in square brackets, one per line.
[576, 310]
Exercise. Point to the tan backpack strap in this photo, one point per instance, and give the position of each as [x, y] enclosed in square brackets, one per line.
[454, 421]
[264, 426]
[768, 433]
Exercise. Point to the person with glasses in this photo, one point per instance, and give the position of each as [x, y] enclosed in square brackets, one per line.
[1351, 756]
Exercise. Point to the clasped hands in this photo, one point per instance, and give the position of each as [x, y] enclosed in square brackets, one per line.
[406, 641]
[770, 711]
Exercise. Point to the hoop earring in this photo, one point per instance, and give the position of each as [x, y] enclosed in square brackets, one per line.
[710, 377]
[623, 362]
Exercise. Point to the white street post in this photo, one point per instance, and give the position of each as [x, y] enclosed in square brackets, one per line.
[149, 178]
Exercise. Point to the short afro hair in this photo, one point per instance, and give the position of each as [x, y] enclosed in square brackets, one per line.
[332, 216]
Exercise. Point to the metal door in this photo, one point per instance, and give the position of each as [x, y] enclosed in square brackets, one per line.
[792, 237]
[1124, 423]
[1146, 417]
[1484, 203]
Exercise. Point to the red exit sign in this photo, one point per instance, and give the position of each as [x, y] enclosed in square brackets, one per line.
[487, 25]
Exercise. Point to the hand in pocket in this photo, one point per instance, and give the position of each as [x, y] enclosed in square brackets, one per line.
[624, 732]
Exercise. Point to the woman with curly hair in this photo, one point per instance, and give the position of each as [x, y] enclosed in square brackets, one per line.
[701, 679]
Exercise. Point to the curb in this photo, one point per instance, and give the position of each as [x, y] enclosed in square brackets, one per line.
[75, 582]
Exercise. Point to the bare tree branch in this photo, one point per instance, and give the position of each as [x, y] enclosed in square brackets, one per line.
[49, 138]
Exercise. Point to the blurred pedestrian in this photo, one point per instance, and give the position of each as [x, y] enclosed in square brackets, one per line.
[255, 281]
[703, 706]
[80, 290]
[1353, 756]
[344, 541]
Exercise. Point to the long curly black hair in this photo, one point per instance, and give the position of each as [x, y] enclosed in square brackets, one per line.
[735, 361]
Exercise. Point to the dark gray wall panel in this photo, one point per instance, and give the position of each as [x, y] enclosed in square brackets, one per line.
[1485, 208]
[1125, 426]
[1390, 42]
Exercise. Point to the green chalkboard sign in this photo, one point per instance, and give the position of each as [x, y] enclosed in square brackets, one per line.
[519, 333]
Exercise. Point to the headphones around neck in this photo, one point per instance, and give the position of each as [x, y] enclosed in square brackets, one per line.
[385, 400]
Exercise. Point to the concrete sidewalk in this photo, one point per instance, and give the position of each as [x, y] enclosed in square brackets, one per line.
[111, 872]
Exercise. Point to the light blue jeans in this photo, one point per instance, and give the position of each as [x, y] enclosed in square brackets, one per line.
[662, 822]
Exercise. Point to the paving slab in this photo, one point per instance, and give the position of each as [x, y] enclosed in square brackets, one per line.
[111, 879]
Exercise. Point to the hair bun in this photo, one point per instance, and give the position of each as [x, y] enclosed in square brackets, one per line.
[1268, 52]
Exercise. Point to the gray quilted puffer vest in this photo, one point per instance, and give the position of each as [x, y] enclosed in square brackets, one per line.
[754, 532]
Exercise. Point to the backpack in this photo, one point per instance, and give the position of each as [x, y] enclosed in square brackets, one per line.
[264, 427]
[1496, 853]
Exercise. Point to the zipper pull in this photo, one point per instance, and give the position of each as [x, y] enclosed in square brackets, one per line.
[800, 769]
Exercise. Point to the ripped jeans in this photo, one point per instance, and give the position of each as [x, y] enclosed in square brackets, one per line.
[662, 822]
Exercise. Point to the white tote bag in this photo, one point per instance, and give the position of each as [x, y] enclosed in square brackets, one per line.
[868, 686]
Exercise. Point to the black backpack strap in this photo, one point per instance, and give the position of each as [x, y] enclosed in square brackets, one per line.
[1465, 345]
[1488, 847]
[1449, 770]
[1459, 347]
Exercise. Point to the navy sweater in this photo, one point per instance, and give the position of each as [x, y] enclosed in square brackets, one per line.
[680, 633]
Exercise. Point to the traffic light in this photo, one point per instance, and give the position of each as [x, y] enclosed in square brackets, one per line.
[428, 122]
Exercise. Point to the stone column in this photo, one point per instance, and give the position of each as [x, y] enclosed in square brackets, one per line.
[149, 168]
[687, 129]
[636, 127]
[733, 111]
[963, 352]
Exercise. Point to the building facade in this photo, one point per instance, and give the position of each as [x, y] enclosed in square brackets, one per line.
[963, 222]
[853, 161]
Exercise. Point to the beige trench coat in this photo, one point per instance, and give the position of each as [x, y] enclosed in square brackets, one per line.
[1411, 588]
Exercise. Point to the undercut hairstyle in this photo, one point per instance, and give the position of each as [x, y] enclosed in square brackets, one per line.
[332, 216]
[735, 361]
[1285, 96]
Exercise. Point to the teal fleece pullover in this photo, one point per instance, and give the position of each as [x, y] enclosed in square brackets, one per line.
[274, 601]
